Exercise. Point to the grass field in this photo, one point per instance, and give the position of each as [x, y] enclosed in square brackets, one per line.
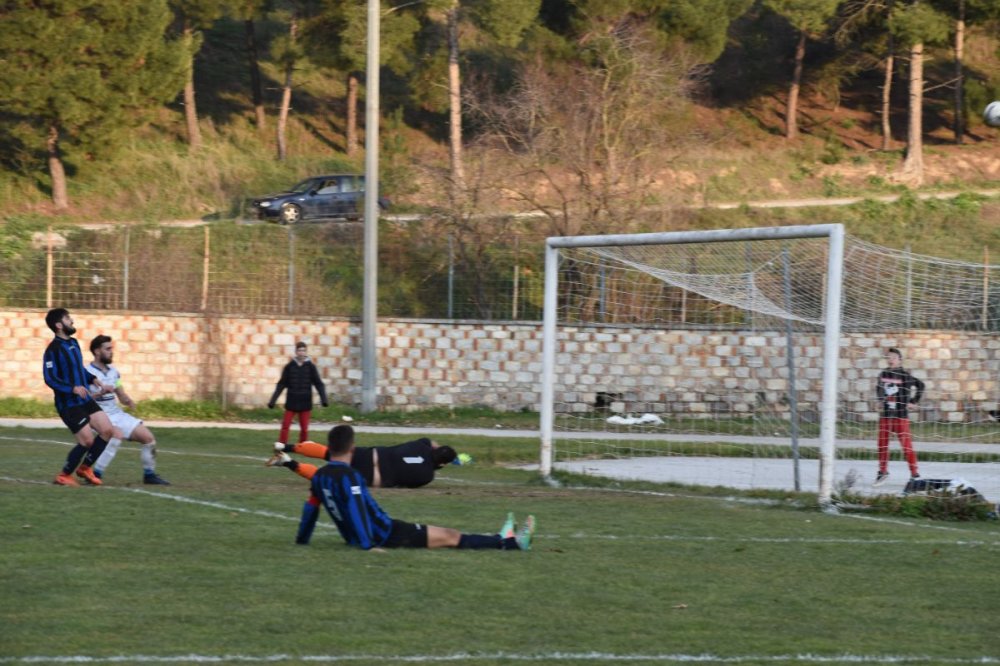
[206, 570]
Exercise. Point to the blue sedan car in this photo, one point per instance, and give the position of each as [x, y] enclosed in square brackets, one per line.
[339, 195]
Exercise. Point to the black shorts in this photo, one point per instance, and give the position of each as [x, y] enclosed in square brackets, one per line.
[78, 416]
[406, 535]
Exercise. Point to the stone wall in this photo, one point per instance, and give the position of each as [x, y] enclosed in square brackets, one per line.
[426, 363]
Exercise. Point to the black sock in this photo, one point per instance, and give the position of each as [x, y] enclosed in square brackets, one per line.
[291, 464]
[483, 541]
[95, 451]
[73, 458]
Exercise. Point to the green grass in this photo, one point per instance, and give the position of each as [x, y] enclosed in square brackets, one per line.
[211, 410]
[118, 571]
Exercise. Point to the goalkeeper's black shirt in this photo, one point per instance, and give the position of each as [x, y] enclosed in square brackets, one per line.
[406, 465]
[896, 388]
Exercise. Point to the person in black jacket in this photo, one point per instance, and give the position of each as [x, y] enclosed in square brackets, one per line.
[298, 377]
[897, 390]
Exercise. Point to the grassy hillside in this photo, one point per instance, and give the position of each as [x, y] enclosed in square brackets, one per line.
[740, 156]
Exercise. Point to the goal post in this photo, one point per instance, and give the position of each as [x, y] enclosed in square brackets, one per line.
[830, 322]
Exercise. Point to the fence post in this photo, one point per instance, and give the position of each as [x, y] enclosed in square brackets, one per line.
[451, 276]
[909, 286]
[986, 287]
[517, 258]
[291, 269]
[204, 273]
[48, 268]
[125, 271]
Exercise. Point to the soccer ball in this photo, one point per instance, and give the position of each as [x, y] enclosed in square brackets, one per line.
[991, 114]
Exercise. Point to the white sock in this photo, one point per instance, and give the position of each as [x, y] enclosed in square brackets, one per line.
[108, 455]
[148, 456]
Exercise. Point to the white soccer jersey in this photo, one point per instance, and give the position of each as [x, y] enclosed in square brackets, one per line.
[107, 401]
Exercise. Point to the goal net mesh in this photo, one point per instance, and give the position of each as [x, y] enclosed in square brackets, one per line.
[701, 363]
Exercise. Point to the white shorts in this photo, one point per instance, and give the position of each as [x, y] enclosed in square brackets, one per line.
[125, 422]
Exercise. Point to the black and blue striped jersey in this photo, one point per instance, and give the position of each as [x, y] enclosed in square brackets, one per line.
[342, 490]
[62, 369]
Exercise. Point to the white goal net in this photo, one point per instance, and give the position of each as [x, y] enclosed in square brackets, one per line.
[715, 358]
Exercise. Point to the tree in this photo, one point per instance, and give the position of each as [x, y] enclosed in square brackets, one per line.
[587, 160]
[964, 13]
[700, 25]
[914, 25]
[868, 20]
[505, 22]
[190, 15]
[249, 11]
[287, 51]
[337, 37]
[809, 18]
[78, 72]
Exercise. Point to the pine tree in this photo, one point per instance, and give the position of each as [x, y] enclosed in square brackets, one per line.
[190, 15]
[915, 25]
[76, 72]
[249, 11]
[864, 24]
[809, 18]
[337, 37]
[964, 14]
[506, 22]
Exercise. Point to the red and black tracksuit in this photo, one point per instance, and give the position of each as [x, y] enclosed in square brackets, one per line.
[896, 390]
[299, 379]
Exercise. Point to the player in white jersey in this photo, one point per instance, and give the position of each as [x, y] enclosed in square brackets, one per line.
[106, 389]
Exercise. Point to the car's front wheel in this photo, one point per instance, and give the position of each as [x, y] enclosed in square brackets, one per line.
[290, 214]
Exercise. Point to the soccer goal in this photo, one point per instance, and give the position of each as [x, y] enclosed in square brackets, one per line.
[748, 358]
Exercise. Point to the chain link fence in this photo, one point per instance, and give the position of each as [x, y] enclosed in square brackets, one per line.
[426, 270]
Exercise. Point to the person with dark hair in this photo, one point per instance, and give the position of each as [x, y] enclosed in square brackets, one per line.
[107, 390]
[342, 491]
[64, 373]
[299, 376]
[897, 390]
[406, 465]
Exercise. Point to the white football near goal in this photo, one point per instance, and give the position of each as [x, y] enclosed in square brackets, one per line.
[991, 114]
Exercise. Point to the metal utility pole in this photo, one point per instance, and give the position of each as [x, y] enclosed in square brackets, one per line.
[369, 316]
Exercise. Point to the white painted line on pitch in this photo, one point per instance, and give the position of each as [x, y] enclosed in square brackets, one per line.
[182, 499]
[769, 502]
[467, 657]
[576, 535]
[203, 454]
[797, 540]
[904, 523]
[652, 493]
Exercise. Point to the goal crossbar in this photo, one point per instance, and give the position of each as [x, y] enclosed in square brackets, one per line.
[832, 318]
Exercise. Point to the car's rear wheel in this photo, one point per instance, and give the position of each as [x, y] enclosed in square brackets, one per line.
[290, 214]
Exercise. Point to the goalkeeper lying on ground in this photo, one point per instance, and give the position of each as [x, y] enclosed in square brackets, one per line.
[407, 465]
[342, 490]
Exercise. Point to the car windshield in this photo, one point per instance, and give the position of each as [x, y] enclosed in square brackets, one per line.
[304, 186]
